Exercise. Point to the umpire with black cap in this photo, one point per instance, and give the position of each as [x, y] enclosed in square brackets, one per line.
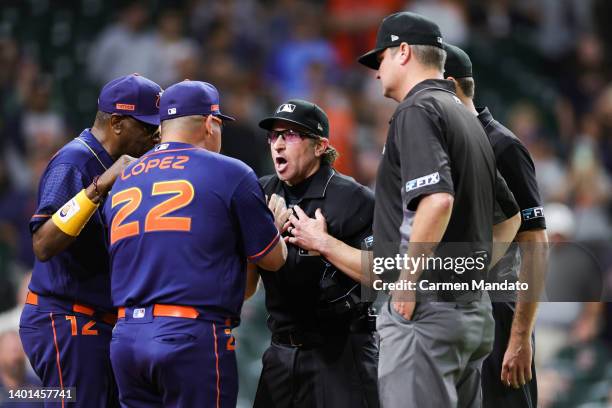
[508, 374]
[323, 351]
[436, 186]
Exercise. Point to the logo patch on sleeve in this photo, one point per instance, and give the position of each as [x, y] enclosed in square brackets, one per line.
[428, 180]
[531, 213]
[68, 210]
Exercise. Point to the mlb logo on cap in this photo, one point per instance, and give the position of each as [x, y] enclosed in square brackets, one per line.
[131, 95]
[190, 98]
[286, 107]
[300, 112]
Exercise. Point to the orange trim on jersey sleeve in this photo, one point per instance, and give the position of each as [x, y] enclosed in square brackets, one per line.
[41, 216]
[263, 251]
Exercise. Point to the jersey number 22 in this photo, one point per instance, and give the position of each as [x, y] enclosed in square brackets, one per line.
[156, 219]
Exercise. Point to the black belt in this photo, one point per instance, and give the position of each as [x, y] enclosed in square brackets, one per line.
[298, 339]
[313, 339]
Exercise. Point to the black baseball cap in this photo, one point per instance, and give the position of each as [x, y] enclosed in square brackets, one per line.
[458, 63]
[402, 27]
[300, 112]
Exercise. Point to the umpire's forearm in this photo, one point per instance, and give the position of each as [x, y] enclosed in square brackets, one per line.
[534, 258]
[431, 218]
[430, 221]
[347, 259]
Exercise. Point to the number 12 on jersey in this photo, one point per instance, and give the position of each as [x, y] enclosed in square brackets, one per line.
[156, 219]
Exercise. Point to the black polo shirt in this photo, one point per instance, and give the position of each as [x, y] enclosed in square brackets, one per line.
[434, 145]
[294, 298]
[516, 166]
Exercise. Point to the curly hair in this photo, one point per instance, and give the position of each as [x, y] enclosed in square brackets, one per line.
[329, 155]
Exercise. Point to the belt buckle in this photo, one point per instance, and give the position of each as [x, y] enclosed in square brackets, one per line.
[293, 343]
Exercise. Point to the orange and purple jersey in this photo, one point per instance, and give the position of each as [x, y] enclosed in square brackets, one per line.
[182, 223]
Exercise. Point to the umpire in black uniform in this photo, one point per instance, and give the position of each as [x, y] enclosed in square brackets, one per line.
[323, 351]
[436, 184]
[508, 375]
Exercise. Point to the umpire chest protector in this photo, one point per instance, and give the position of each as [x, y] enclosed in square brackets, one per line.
[308, 293]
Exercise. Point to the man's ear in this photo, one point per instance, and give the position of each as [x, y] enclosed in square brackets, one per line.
[457, 87]
[116, 123]
[209, 123]
[405, 53]
[321, 146]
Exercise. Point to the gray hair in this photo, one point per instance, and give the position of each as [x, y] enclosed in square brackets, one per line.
[430, 56]
[102, 118]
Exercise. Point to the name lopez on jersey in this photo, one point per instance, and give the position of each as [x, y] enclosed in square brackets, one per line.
[146, 164]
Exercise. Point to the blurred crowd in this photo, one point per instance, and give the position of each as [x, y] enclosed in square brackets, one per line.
[543, 67]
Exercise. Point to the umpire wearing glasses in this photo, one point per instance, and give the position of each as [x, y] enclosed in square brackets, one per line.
[323, 351]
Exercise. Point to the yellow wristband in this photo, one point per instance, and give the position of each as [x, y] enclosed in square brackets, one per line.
[73, 215]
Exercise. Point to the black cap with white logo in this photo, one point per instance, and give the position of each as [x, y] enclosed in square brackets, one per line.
[300, 112]
[402, 27]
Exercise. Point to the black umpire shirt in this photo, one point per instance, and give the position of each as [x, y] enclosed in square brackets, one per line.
[294, 294]
[516, 167]
[434, 145]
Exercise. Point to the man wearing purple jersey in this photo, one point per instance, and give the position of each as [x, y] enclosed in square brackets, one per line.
[66, 324]
[183, 221]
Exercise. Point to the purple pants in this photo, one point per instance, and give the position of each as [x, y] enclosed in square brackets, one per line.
[68, 349]
[173, 362]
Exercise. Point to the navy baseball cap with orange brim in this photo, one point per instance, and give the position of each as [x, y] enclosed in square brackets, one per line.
[402, 27]
[188, 98]
[132, 95]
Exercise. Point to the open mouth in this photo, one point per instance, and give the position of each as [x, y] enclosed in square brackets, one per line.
[280, 163]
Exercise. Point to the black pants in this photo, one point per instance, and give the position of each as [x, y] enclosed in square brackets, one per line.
[495, 394]
[340, 373]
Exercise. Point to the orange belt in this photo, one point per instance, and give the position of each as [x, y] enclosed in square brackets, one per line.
[110, 318]
[186, 312]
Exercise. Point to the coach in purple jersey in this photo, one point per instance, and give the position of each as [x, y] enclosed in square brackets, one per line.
[66, 324]
[183, 221]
